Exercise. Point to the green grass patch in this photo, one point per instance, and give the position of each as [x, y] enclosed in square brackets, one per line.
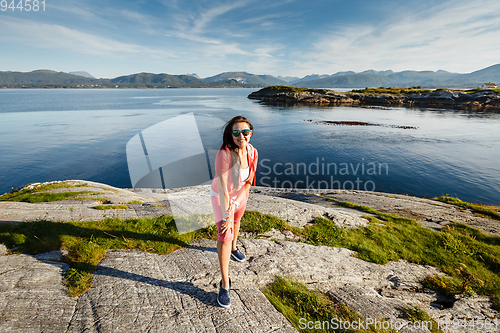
[101, 200]
[50, 186]
[393, 91]
[312, 311]
[40, 197]
[271, 89]
[87, 242]
[134, 202]
[472, 91]
[104, 207]
[260, 223]
[480, 209]
[38, 194]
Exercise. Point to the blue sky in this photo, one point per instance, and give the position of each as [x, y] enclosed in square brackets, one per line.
[109, 38]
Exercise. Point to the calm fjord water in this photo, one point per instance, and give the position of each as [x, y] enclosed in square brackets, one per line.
[62, 134]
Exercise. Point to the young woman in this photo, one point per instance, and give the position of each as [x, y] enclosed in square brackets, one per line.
[235, 166]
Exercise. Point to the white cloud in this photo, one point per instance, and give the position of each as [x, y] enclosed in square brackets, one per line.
[53, 36]
[456, 36]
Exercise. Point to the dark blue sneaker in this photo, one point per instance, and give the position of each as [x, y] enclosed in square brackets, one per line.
[237, 255]
[223, 298]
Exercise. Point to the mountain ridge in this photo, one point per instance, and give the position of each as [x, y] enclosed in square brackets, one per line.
[407, 78]
[46, 78]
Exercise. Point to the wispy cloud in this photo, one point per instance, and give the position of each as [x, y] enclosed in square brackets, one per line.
[76, 9]
[205, 18]
[136, 17]
[191, 30]
[193, 38]
[451, 35]
[53, 36]
[222, 50]
[198, 25]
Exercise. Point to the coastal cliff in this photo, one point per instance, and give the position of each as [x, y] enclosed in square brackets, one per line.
[477, 99]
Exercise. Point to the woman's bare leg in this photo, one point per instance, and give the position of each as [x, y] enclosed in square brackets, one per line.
[236, 230]
[238, 216]
[224, 253]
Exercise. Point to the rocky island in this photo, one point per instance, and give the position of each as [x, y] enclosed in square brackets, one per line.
[134, 286]
[476, 100]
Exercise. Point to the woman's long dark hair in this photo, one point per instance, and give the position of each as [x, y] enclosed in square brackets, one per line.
[227, 141]
[227, 136]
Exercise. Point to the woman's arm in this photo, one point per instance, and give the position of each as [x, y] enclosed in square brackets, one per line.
[224, 199]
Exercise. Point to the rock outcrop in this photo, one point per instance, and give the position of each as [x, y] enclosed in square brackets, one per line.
[136, 291]
[489, 100]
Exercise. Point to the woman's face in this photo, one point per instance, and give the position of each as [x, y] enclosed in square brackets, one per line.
[241, 140]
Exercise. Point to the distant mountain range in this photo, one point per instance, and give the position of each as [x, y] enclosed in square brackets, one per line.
[425, 79]
[159, 79]
[52, 79]
[347, 79]
[43, 76]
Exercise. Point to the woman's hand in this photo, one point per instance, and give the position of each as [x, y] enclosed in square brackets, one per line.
[229, 217]
[225, 226]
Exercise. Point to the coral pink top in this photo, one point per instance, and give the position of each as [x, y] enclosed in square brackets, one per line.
[223, 167]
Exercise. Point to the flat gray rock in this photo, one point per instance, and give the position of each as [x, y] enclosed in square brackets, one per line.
[298, 213]
[32, 296]
[3, 250]
[140, 291]
[137, 292]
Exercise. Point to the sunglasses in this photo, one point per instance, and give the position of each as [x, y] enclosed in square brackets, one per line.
[245, 132]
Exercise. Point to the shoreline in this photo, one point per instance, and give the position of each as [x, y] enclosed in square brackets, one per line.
[268, 190]
[142, 202]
